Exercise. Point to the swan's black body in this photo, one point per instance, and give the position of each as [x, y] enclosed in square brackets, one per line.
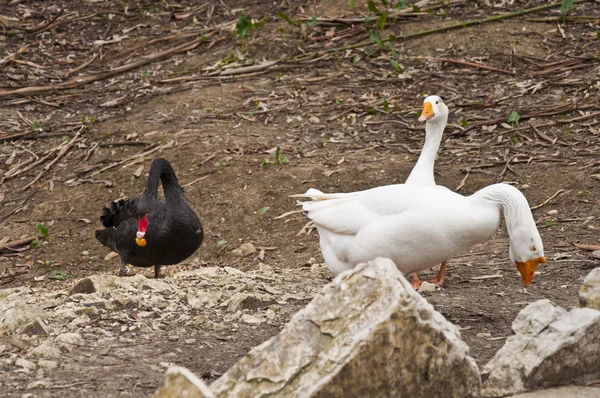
[174, 230]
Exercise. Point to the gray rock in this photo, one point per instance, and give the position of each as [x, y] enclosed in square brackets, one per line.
[368, 333]
[201, 300]
[550, 347]
[245, 250]
[243, 301]
[47, 349]
[24, 363]
[563, 392]
[18, 313]
[180, 382]
[596, 254]
[252, 319]
[69, 341]
[46, 364]
[589, 293]
[36, 327]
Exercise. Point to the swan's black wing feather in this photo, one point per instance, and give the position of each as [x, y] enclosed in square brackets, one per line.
[119, 212]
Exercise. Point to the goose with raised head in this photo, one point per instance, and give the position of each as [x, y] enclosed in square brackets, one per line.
[420, 226]
[435, 116]
[150, 231]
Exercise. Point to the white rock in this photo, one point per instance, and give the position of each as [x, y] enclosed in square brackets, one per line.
[314, 119]
[427, 287]
[252, 319]
[589, 293]
[368, 333]
[46, 364]
[69, 341]
[47, 349]
[551, 212]
[550, 345]
[201, 300]
[180, 382]
[596, 254]
[562, 392]
[24, 363]
[18, 313]
[245, 250]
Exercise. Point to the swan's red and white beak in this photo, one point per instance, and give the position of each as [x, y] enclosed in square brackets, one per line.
[527, 269]
[427, 112]
[141, 232]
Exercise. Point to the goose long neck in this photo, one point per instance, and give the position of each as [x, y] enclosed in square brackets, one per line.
[161, 171]
[513, 204]
[422, 173]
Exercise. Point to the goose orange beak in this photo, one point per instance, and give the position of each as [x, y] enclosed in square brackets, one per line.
[427, 112]
[527, 269]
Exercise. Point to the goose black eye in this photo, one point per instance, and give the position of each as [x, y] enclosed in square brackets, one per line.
[437, 102]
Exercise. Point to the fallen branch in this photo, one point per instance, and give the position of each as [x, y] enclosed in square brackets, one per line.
[77, 82]
[586, 247]
[465, 63]
[460, 25]
[545, 202]
[62, 152]
[16, 243]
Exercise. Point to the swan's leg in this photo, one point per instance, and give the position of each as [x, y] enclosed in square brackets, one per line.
[439, 279]
[157, 271]
[123, 269]
[416, 283]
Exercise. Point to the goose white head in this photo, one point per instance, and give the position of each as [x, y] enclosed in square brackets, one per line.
[434, 110]
[526, 251]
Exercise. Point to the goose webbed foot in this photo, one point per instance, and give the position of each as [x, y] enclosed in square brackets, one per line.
[439, 279]
[416, 283]
[157, 271]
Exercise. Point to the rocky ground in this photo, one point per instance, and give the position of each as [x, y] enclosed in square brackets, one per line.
[91, 92]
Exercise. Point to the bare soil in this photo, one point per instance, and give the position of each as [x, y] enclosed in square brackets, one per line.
[343, 120]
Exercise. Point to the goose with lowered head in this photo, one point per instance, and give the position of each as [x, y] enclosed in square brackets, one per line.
[435, 116]
[420, 226]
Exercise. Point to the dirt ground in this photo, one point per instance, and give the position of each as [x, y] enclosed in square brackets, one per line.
[344, 120]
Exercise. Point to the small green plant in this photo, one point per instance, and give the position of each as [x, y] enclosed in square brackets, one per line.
[243, 26]
[464, 122]
[565, 6]
[278, 159]
[262, 211]
[514, 118]
[386, 106]
[160, 99]
[47, 262]
[399, 68]
[42, 229]
[547, 223]
[222, 242]
[58, 275]
[144, 75]
[36, 125]
[287, 19]
[374, 37]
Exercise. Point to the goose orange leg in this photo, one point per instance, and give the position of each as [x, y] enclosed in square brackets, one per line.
[438, 280]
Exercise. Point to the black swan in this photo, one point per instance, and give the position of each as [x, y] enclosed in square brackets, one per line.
[148, 231]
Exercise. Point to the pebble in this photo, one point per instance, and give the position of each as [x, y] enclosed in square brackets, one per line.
[24, 363]
[190, 341]
[314, 119]
[524, 186]
[46, 364]
[596, 254]
[85, 253]
[553, 212]
[252, 319]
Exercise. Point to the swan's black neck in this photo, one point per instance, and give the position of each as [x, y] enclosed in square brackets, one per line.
[161, 171]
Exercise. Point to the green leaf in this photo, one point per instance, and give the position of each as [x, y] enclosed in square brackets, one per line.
[416, 8]
[259, 24]
[313, 21]
[386, 106]
[278, 156]
[351, 3]
[43, 230]
[242, 25]
[375, 39]
[399, 68]
[287, 19]
[464, 122]
[373, 8]
[514, 118]
[401, 4]
[566, 5]
[381, 21]
[34, 244]
[221, 243]
[263, 210]
[285, 160]
[598, 35]
[266, 161]
[36, 125]
[58, 275]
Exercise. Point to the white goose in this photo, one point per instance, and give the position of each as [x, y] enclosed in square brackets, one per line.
[420, 226]
[435, 116]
